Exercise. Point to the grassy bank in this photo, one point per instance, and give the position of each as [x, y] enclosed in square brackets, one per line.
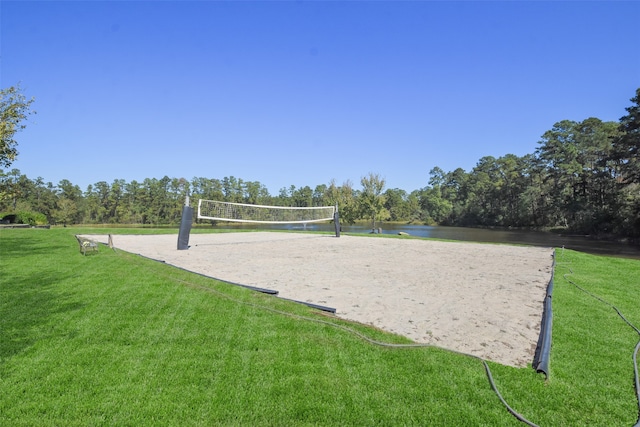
[116, 339]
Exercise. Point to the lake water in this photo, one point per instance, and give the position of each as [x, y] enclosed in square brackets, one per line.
[534, 238]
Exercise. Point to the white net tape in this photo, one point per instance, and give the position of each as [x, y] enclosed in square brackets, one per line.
[240, 212]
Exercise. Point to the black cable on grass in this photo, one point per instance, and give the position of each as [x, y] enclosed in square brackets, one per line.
[512, 411]
[637, 348]
[367, 339]
[635, 369]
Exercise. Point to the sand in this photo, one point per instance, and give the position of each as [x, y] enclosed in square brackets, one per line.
[479, 299]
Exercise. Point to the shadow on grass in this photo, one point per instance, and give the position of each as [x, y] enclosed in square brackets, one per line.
[29, 291]
[20, 246]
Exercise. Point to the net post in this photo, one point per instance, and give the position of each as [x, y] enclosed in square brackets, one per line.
[336, 221]
[185, 226]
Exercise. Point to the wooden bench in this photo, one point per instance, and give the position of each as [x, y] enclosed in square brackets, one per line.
[87, 245]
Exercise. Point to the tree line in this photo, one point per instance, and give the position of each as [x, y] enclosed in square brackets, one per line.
[583, 177]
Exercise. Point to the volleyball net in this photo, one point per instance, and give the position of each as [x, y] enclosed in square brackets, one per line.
[263, 214]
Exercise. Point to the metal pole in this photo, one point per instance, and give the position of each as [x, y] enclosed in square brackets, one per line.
[185, 226]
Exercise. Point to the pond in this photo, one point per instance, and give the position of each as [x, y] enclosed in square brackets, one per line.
[534, 238]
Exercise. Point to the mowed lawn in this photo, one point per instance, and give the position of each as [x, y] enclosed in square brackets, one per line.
[117, 339]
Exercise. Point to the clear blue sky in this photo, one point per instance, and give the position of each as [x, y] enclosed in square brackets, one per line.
[303, 92]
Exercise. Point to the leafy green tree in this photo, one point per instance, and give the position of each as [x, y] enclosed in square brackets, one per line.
[627, 144]
[513, 178]
[302, 197]
[344, 197]
[206, 188]
[626, 152]
[10, 189]
[493, 192]
[436, 207]
[482, 207]
[371, 200]
[318, 195]
[66, 212]
[117, 210]
[413, 207]
[580, 173]
[395, 202]
[14, 110]
[534, 197]
[37, 196]
[91, 214]
[161, 200]
[255, 193]
[628, 218]
[559, 151]
[598, 188]
[454, 190]
[154, 200]
[69, 190]
[283, 197]
[133, 199]
[103, 194]
[232, 189]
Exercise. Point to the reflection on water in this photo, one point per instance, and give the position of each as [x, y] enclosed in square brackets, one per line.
[534, 238]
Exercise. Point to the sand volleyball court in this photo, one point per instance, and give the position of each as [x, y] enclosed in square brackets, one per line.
[480, 299]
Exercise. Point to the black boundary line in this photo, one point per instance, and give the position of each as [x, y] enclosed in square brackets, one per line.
[542, 354]
[253, 288]
[517, 415]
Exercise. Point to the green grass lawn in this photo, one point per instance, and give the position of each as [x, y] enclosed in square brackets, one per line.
[117, 339]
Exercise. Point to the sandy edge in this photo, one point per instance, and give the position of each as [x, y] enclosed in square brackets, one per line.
[480, 299]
